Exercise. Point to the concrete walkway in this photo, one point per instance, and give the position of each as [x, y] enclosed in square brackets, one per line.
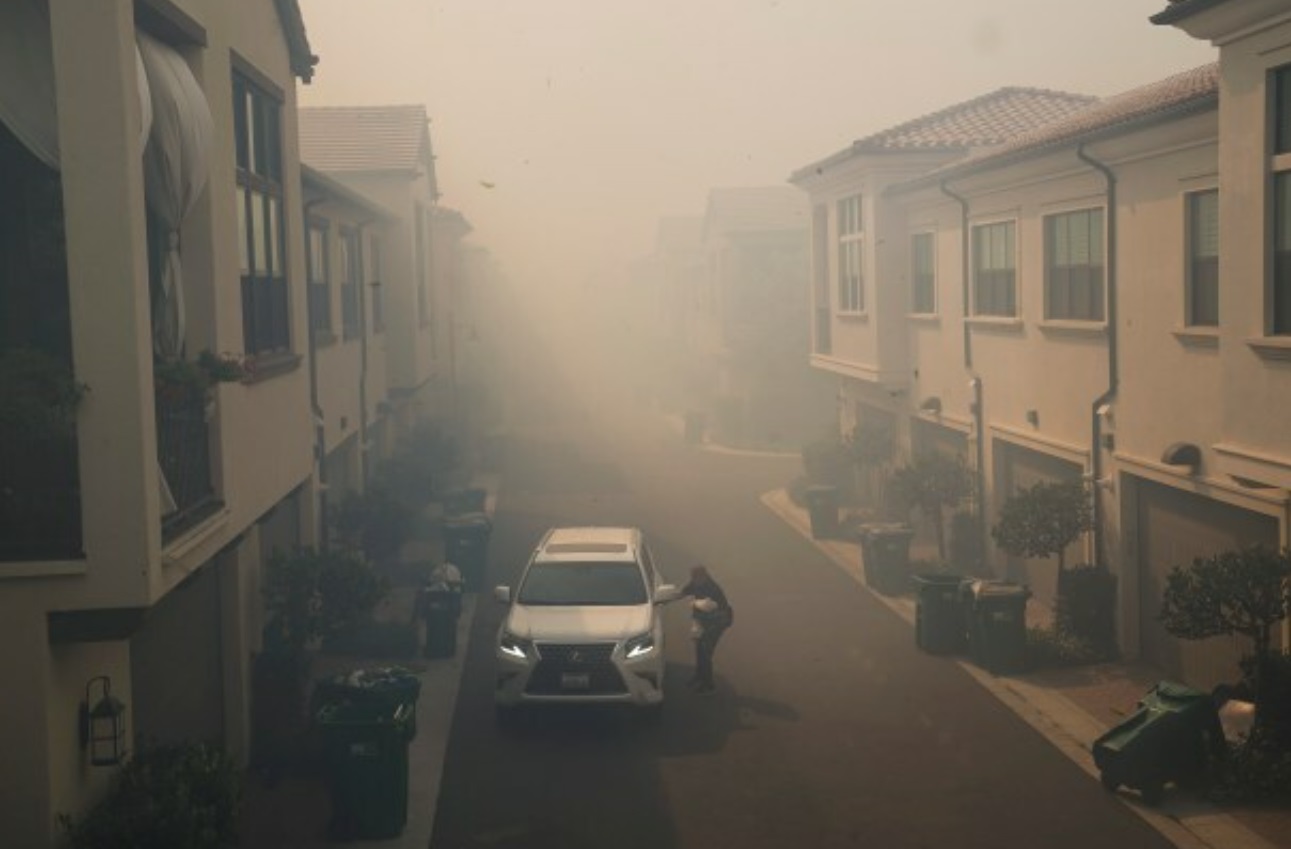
[1071, 708]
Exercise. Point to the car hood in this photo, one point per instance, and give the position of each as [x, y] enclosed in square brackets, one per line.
[553, 623]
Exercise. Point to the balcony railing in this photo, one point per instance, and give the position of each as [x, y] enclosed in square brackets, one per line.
[40, 499]
[824, 343]
[184, 454]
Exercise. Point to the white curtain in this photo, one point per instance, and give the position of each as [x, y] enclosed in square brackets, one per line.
[28, 105]
[175, 171]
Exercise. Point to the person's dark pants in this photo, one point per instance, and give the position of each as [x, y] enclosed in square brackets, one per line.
[704, 648]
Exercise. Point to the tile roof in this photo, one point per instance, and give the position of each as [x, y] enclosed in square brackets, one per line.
[1183, 93]
[365, 138]
[987, 120]
[756, 209]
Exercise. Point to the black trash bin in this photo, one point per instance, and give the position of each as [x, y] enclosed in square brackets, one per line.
[885, 556]
[365, 746]
[440, 608]
[468, 500]
[1175, 735]
[997, 625]
[939, 613]
[383, 686]
[822, 505]
[466, 542]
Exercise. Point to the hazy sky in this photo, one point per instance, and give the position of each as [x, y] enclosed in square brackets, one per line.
[593, 118]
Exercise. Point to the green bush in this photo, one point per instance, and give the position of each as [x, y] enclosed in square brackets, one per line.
[375, 523]
[310, 595]
[388, 640]
[1258, 769]
[165, 797]
[1049, 647]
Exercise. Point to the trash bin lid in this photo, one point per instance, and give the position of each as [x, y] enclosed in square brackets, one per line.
[886, 529]
[361, 713]
[463, 521]
[986, 592]
[937, 579]
[1173, 696]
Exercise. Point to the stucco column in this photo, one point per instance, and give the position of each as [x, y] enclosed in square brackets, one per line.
[102, 171]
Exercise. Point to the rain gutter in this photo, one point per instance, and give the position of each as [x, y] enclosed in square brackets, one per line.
[1113, 369]
[320, 433]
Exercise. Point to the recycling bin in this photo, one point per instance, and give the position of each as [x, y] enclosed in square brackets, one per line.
[997, 625]
[365, 748]
[469, 500]
[1174, 735]
[822, 505]
[885, 556]
[386, 687]
[440, 609]
[466, 543]
[939, 613]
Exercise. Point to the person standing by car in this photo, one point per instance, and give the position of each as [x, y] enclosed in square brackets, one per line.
[713, 614]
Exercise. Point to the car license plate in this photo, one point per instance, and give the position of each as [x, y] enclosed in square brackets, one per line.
[575, 681]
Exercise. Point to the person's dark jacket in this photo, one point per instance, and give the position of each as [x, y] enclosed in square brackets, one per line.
[723, 616]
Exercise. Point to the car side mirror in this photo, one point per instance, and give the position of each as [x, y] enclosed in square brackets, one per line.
[502, 595]
[666, 593]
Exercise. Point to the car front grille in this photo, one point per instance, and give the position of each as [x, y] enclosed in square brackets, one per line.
[575, 669]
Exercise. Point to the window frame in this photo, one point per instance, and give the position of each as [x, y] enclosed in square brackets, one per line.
[849, 255]
[1192, 260]
[1278, 299]
[319, 285]
[377, 285]
[350, 244]
[917, 276]
[977, 270]
[1072, 276]
[260, 185]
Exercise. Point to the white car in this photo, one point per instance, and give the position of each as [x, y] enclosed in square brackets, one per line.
[584, 623]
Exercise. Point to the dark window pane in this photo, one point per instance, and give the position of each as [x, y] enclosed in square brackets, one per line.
[1282, 110]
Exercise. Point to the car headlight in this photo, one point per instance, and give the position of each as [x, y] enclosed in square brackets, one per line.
[639, 646]
[517, 647]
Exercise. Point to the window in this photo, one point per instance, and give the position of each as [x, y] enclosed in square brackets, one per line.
[1203, 259]
[1280, 323]
[851, 289]
[320, 291]
[351, 283]
[423, 260]
[266, 317]
[820, 275]
[994, 270]
[378, 287]
[923, 275]
[1073, 268]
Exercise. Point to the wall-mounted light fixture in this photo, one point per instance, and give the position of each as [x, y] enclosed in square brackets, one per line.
[1033, 418]
[931, 404]
[1182, 454]
[103, 724]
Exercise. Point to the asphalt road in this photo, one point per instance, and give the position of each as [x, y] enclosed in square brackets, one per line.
[829, 728]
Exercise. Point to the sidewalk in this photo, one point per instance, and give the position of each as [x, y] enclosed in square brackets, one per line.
[293, 812]
[1071, 708]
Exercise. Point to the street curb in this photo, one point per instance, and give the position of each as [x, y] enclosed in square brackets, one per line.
[1187, 824]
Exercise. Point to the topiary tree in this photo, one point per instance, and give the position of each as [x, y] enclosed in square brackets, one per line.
[1241, 592]
[871, 444]
[1042, 520]
[933, 483]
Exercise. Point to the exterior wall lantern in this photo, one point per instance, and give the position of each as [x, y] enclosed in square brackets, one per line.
[103, 725]
[931, 404]
[1184, 454]
[1033, 418]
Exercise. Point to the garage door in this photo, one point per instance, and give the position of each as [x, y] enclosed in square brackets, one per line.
[1174, 527]
[1017, 468]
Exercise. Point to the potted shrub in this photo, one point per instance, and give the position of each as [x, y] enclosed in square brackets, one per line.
[933, 483]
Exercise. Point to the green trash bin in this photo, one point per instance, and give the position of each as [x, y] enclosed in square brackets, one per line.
[939, 613]
[384, 686]
[822, 506]
[885, 556]
[365, 747]
[997, 625]
[466, 543]
[1175, 735]
[462, 501]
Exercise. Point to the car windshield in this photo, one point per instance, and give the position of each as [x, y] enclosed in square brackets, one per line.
[583, 584]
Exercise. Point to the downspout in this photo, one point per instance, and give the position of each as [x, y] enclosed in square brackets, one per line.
[975, 381]
[320, 433]
[1113, 370]
[363, 352]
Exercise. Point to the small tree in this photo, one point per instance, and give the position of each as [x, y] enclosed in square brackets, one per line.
[1239, 592]
[933, 483]
[1042, 520]
[870, 444]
